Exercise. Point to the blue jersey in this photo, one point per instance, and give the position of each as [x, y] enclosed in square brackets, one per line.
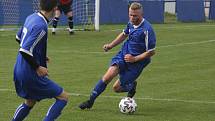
[28, 84]
[33, 36]
[141, 38]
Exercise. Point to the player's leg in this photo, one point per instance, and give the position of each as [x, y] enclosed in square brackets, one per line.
[116, 86]
[55, 20]
[132, 91]
[133, 74]
[68, 12]
[107, 78]
[55, 110]
[127, 81]
[23, 110]
[70, 22]
[100, 86]
[130, 88]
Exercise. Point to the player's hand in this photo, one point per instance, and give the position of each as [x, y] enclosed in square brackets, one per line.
[107, 47]
[42, 71]
[129, 58]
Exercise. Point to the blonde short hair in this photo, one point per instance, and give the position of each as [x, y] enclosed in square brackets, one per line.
[136, 6]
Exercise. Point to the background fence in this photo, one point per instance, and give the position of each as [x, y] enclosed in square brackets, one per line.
[14, 12]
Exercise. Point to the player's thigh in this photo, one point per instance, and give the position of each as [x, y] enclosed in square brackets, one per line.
[111, 73]
[69, 14]
[57, 13]
[43, 88]
[132, 73]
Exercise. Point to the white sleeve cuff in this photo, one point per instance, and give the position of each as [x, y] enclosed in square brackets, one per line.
[124, 33]
[150, 49]
[17, 37]
[26, 51]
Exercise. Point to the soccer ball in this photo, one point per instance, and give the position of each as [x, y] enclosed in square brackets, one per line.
[127, 105]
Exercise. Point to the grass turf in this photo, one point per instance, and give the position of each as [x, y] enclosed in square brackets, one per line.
[177, 86]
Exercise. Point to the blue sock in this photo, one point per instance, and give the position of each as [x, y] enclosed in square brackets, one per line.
[21, 112]
[99, 88]
[55, 110]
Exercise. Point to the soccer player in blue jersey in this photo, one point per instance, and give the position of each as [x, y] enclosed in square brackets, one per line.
[30, 71]
[133, 57]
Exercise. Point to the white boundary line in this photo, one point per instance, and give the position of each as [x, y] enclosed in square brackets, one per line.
[171, 26]
[164, 46]
[186, 26]
[189, 43]
[137, 98]
[148, 98]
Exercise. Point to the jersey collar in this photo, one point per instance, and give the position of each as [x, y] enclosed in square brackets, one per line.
[44, 18]
[136, 26]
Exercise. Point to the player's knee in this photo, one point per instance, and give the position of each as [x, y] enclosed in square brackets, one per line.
[63, 96]
[30, 103]
[116, 89]
[69, 14]
[106, 79]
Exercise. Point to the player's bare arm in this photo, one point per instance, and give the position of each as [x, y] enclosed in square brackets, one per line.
[120, 38]
[130, 58]
[144, 55]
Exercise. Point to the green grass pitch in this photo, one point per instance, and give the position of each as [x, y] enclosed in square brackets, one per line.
[179, 84]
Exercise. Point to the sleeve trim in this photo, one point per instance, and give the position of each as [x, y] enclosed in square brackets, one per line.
[150, 49]
[42, 33]
[146, 39]
[124, 32]
[17, 37]
[26, 51]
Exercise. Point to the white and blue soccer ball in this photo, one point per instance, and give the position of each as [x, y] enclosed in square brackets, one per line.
[127, 105]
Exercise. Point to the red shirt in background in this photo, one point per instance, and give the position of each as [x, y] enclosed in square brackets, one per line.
[63, 2]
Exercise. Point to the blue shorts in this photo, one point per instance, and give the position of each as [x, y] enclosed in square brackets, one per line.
[31, 86]
[128, 72]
